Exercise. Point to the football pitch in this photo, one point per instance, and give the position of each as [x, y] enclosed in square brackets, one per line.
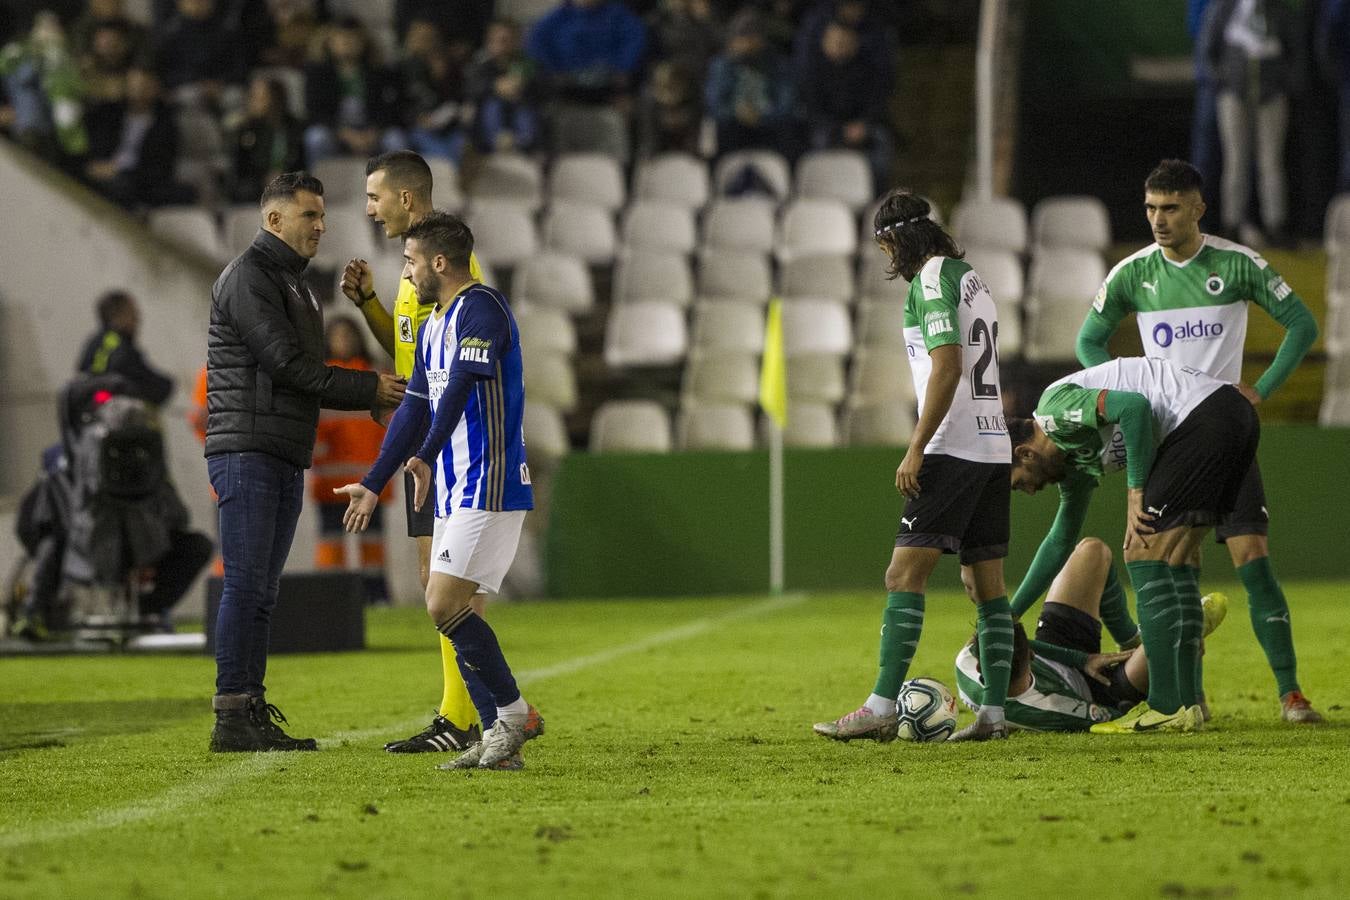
[678, 761]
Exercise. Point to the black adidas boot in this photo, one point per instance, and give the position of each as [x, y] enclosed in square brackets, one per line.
[235, 730]
[266, 719]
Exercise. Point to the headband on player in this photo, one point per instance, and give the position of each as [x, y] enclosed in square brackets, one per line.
[896, 225]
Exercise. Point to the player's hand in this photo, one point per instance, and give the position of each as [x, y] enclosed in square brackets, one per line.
[421, 474]
[1250, 393]
[1138, 522]
[907, 476]
[361, 503]
[1097, 663]
[390, 391]
[357, 282]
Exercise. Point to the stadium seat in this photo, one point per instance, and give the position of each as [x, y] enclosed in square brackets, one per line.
[589, 129]
[1335, 411]
[1336, 329]
[645, 333]
[659, 225]
[714, 376]
[545, 329]
[1338, 276]
[1080, 222]
[811, 425]
[446, 191]
[879, 425]
[555, 280]
[816, 327]
[716, 426]
[581, 229]
[550, 380]
[769, 164]
[503, 231]
[241, 227]
[826, 277]
[729, 328]
[512, 177]
[1060, 289]
[744, 224]
[734, 275]
[881, 323]
[874, 282]
[999, 223]
[1337, 228]
[817, 378]
[881, 375]
[545, 435]
[679, 178]
[592, 178]
[344, 179]
[653, 275]
[191, 226]
[816, 228]
[349, 234]
[842, 175]
[630, 426]
[1001, 271]
[293, 80]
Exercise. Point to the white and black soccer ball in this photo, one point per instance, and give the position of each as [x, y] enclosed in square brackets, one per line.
[927, 710]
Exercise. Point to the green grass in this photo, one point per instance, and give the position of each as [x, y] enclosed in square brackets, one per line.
[678, 761]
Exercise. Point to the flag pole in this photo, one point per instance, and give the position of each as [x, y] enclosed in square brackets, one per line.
[775, 509]
[773, 398]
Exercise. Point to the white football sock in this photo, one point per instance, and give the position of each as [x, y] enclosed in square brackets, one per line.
[990, 715]
[880, 705]
[515, 713]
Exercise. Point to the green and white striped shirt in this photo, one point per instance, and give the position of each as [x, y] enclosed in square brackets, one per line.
[1057, 700]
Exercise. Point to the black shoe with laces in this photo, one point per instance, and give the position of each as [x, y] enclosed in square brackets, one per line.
[266, 717]
[441, 735]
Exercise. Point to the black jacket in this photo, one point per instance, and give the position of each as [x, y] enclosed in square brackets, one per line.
[265, 372]
[109, 352]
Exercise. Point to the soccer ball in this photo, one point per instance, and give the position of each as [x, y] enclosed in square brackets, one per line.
[927, 710]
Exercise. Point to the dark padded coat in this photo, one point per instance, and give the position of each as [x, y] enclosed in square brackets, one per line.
[265, 372]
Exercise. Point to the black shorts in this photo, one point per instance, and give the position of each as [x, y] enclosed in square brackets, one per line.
[1065, 626]
[420, 524]
[1200, 466]
[962, 508]
[1249, 514]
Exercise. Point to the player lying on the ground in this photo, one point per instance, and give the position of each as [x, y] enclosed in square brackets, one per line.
[1112, 416]
[1061, 681]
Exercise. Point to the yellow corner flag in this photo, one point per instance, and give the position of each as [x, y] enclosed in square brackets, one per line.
[773, 396]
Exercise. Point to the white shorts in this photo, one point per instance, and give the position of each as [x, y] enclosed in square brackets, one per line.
[477, 545]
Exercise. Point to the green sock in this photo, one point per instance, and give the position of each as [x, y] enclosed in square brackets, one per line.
[1115, 610]
[1184, 579]
[1270, 621]
[901, 625]
[995, 629]
[1159, 627]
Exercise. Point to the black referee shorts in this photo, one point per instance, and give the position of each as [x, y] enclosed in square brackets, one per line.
[420, 524]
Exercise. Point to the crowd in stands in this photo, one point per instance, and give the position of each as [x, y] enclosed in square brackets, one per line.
[214, 97]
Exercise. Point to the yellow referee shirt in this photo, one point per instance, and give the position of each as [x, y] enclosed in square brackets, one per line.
[409, 314]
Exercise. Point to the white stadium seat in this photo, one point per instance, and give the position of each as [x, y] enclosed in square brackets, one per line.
[1335, 411]
[592, 178]
[816, 228]
[581, 229]
[842, 175]
[555, 280]
[241, 227]
[712, 376]
[1001, 271]
[811, 425]
[1060, 289]
[653, 275]
[735, 275]
[550, 380]
[816, 377]
[827, 277]
[874, 282]
[512, 177]
[1337, 228]
[879, 425]
[192, 226]
[344, 179]
[816, 327]
[545, 435]
[503, 231]
[545, 329]
[679, 178]
[744, 224]
[1076, 221]
[770, 165]
[659, 225]
[999, 223]
[716, 426]
[881, 375]
[349, 234]
[630, 426]
[645, 333]
[881, 323]
[726, 327]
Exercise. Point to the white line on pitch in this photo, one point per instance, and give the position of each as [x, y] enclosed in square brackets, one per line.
[195, 792]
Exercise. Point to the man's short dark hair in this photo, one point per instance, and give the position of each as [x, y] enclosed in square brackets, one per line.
[112, 304]
[403, 170]
[1020, 430]
[1174, 176]
[286, 185]
[908, 235]
[445, 234]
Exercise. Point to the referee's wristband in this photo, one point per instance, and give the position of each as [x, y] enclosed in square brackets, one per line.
[365, 298]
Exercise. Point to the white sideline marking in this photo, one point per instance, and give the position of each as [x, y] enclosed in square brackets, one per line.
[195, 792]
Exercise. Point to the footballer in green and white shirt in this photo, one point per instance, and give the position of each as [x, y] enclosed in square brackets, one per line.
[1187, 441]
[1190, 293]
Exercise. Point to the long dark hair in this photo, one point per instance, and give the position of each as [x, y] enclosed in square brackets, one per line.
[908, 235]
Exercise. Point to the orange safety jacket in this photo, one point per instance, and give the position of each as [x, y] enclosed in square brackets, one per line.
[345, 446]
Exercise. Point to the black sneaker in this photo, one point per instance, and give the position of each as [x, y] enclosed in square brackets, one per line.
[236, 732]
[265, 717]
[441, 735]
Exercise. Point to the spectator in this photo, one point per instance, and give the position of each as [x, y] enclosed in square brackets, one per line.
[112, 350]
[1334, 30]
[670, 116]
[352, 103]
[461, 21]
[270, 140]
[876, 34]
[845, 103]
[103, 13]
[1253, 50]
[1205, 120]
[504, 90]
[104, 65]
[589, 50]
[134, 148]
[749, 93]
[686, 32]
[345, 446]
[433, 85]
[294, 24]
[45, 92]
[197, 53]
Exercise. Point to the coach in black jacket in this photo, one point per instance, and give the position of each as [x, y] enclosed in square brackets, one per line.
[265, 383]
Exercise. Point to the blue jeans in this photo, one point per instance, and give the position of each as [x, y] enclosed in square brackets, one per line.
[259, 498]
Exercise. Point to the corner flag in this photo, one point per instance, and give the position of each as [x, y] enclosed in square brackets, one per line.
[773, 396]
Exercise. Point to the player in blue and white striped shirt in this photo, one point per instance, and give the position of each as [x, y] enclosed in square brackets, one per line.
[467, 382]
